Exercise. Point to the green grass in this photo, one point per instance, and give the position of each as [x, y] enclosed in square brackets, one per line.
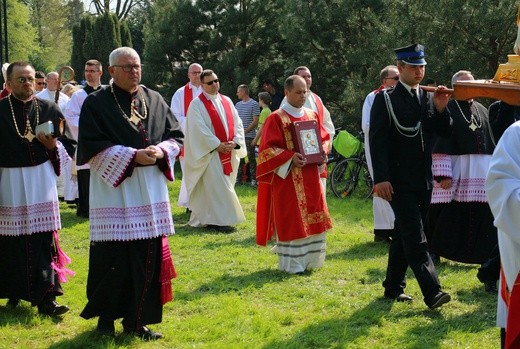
[229, 294]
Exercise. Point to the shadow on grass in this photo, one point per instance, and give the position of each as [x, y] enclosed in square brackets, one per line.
[21, 315]
[338, 332]
[231, 283]
[91, 339]
[361, 251]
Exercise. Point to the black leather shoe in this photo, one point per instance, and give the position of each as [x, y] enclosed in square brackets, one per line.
[439, 299]
[378, 238]
[145, 334]
[52, 308]
[221, 228]
[105, 327]
[402, 297]
[13, 303]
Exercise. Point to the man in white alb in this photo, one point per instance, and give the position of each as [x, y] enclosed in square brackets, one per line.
[180, 103]
[214, 144]
[383, 214]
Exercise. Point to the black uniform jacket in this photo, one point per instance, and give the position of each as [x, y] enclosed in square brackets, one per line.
[402, 158]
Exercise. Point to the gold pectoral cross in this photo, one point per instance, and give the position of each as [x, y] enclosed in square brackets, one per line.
[29, 135]
[135, 117]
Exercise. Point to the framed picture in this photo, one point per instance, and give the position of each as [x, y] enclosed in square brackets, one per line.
[307, 140]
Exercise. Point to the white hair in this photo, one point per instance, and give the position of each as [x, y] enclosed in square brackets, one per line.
[122, 52]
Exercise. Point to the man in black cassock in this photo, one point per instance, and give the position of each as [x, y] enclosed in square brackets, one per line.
[32, 263]
[127, 134]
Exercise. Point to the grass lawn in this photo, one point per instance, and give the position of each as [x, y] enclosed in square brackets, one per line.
[229, 294]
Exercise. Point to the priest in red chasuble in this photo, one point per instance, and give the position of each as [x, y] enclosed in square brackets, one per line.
[291, 202]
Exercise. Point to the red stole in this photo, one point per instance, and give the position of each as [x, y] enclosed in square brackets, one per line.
[218, 126]
[188, 97]
[513, 311]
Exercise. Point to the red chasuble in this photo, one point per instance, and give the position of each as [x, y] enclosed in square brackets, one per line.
[218, 126]
[294, 206]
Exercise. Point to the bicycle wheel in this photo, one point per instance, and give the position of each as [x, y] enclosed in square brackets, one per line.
[344, 177]
[365, 184]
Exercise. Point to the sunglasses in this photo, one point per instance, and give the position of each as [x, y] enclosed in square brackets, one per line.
[209, 83]
[394, 78]
[39, 83]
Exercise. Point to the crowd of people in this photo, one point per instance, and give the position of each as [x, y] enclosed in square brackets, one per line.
[428, 155]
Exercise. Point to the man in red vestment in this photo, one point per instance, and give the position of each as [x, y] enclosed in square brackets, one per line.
[291, 201]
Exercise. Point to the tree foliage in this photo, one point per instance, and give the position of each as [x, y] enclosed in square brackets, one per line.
[344, 43]
[22, 38]
[50, 19]
[95, 38]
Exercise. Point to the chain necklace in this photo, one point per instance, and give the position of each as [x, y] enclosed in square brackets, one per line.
[28, 132]
[473, 122]
[134, 117]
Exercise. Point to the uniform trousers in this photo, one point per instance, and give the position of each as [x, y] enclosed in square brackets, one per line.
[409, 246]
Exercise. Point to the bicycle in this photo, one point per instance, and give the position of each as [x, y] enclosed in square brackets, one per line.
[351, 173]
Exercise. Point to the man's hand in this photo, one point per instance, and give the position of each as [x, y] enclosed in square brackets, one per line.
[384, 190]
[142, 157]
[226, 147]
[445, 183]
[298, 160]
[155, 152]
[440, 99]
[48, 141]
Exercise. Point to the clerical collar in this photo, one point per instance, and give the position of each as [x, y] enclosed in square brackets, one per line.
[18, 100]
[193, 87]
[119, 90]
[293, 111]
[212, 97]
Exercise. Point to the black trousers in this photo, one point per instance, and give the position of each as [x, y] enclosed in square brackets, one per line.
[409, 246]
[82, 208]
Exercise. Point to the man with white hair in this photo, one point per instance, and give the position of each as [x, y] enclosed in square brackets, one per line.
[49, 93]
[180, 103]
[382, 211]
[127, 133]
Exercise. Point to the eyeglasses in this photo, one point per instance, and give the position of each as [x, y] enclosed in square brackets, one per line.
[209, 83]
[394, 78]
[22, 80]
[195, 72]
[94, 71]
[128, 68]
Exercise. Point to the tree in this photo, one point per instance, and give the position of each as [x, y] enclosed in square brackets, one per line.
[232, 37]
[122, 8]
[51, 20]
[21, 34]
[344, 43]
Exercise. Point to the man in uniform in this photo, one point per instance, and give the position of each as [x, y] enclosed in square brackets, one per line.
[180, 103]
[32, 265]
[402, 123]
[213, 148]
[93, 73]
[127, 134]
